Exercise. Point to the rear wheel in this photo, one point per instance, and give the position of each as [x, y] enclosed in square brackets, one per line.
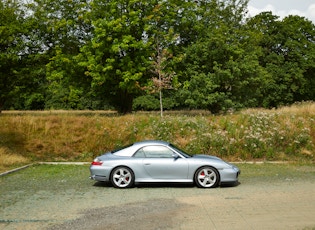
[207, 177]
[122, 177]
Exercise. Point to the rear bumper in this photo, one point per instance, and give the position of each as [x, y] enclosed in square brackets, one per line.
[98, 178]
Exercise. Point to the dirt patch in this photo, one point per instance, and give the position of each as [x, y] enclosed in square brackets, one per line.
[142, 215]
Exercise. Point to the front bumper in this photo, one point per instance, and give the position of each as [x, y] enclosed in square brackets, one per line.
[230, 175]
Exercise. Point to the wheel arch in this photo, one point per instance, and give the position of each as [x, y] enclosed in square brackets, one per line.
[122, 166]
[118, 166]
[207, 165]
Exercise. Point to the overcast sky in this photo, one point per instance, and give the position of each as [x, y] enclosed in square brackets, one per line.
[282, 8]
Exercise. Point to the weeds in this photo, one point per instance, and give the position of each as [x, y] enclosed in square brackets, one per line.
[282, 134]
[7, 159]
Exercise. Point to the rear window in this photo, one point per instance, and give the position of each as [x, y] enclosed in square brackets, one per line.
[120, 148]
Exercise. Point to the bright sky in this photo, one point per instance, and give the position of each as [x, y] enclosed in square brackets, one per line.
[282, 8]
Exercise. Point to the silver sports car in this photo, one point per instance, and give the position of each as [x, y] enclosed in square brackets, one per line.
[159, 161]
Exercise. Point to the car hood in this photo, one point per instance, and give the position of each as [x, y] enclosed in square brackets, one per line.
[218, 160]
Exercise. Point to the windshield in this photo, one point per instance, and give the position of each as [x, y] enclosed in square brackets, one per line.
[182, 152]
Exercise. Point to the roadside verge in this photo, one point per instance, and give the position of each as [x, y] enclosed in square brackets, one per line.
[43, 163]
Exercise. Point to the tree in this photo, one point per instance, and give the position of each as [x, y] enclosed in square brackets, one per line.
[61, 29]
[299, 55]
[163, 38]
[288, 57]
[164, 79]
[222, 69]
[116, 58]
[11, 31]
[126, 40]
[20, 82]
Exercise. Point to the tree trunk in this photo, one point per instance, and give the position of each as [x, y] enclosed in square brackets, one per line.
[161, 103]
[125, 101]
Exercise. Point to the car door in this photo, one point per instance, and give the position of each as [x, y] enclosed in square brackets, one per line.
[161, 163]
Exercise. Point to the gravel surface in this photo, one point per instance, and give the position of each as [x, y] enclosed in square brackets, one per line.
[281, 202]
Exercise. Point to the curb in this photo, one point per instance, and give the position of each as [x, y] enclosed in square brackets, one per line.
[15, 170]
[43, 163]
[63, 163]
[261, 162]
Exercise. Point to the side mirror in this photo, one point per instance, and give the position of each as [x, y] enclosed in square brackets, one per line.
[175, 156]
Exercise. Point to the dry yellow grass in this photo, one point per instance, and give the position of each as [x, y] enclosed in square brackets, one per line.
[10, 160]
[280, 134]
[304, 109]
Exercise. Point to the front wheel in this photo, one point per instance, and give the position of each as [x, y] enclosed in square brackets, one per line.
[207, 177]
[122, 177]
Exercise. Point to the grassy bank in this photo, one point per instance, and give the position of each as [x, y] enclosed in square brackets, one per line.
[284, 134]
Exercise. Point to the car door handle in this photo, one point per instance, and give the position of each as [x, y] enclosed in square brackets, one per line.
[147, 164]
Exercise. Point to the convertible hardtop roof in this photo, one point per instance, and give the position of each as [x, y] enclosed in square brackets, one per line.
[124, 150]
[154, 142]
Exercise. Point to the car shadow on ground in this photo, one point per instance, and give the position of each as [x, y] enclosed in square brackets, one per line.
[164, 185]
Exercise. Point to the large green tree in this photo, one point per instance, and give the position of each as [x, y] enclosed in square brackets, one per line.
[222, 68]
[116, 58]
[128, 38]
[11, 45]
[61, 29]
[299, 54]
[288, 57]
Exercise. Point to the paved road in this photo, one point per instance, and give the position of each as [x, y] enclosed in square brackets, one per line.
[284, 204]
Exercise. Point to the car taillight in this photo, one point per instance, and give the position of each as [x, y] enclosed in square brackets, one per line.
[97, 163]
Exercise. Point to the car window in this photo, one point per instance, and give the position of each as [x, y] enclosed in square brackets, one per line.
[121, 148]
[154, 151]
[182, 152]
[139, 154]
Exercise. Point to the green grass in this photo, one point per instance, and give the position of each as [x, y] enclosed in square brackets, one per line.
[277, 172]
[52, 178]
[285, 134]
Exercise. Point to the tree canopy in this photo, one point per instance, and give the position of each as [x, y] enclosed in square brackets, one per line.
[101, 54]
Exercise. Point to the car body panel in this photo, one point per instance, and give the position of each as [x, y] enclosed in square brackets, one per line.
[172, 168]
[159, 161]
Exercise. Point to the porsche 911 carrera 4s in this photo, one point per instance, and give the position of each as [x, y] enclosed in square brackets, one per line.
[160, 161]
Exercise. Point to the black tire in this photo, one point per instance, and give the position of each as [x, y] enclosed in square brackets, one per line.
[122, 177]
[207, 177]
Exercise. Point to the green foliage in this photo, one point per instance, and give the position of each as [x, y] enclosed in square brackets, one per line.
[147, 102]
[11, 30]
[117, 56]
[151, 102]
[100, 54]
[288, 56]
